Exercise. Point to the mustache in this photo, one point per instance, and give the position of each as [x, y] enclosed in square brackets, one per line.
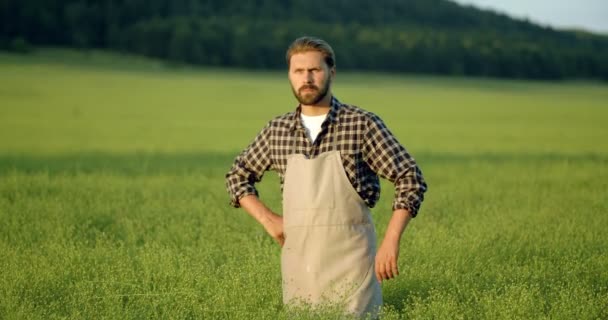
[308, 87]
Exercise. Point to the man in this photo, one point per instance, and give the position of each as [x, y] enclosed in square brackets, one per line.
[328, 156]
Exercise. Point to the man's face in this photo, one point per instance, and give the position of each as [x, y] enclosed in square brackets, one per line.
[310, 77]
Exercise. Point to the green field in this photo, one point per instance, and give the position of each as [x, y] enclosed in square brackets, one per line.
[112, 200]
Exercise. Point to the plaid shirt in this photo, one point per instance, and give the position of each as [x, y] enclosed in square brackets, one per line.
[366, 146]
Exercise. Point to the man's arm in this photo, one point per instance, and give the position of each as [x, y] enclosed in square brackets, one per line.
[389, 159]
[248, 168]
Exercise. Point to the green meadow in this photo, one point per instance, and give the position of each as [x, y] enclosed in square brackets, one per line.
[113, 205]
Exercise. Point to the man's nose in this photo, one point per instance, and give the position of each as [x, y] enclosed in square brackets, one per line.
[309, 77]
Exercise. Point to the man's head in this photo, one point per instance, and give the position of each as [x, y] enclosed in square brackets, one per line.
[311, 64]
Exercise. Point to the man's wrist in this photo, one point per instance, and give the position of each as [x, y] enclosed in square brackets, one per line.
[266, 216]
[397, 225]
[392, 236]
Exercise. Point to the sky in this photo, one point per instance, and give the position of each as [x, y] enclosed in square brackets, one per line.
[591, 15]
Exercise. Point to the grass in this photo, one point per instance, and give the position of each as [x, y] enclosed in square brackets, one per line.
[112, 201]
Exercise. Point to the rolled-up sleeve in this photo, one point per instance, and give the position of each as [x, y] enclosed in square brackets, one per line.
[391, 161]
[248, 168]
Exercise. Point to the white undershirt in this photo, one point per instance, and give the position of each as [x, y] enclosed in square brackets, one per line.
[313, 125]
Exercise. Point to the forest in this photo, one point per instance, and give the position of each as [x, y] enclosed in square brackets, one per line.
[405, 36]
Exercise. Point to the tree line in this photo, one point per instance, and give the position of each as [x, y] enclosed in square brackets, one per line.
[419, 36]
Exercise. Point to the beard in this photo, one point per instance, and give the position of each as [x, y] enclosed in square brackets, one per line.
[312, 97]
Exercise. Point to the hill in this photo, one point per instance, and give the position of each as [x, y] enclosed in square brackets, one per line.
[419, 36]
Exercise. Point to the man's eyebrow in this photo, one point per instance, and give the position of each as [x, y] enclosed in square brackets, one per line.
[308, 69]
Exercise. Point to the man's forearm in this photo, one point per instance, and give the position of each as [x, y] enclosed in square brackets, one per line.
[272, 223]
[256, 209]
[398, 222]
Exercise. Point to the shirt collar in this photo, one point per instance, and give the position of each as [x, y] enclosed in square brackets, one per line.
[332, 116]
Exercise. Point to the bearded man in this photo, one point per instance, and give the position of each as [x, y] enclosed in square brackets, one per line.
[329, 156]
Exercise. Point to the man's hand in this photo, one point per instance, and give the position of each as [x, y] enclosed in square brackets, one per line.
[388, 253]
[386, 260]
[272, 222]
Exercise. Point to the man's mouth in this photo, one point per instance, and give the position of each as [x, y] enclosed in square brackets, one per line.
[308, 89]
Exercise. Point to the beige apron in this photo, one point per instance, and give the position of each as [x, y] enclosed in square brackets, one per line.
[330, 241]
